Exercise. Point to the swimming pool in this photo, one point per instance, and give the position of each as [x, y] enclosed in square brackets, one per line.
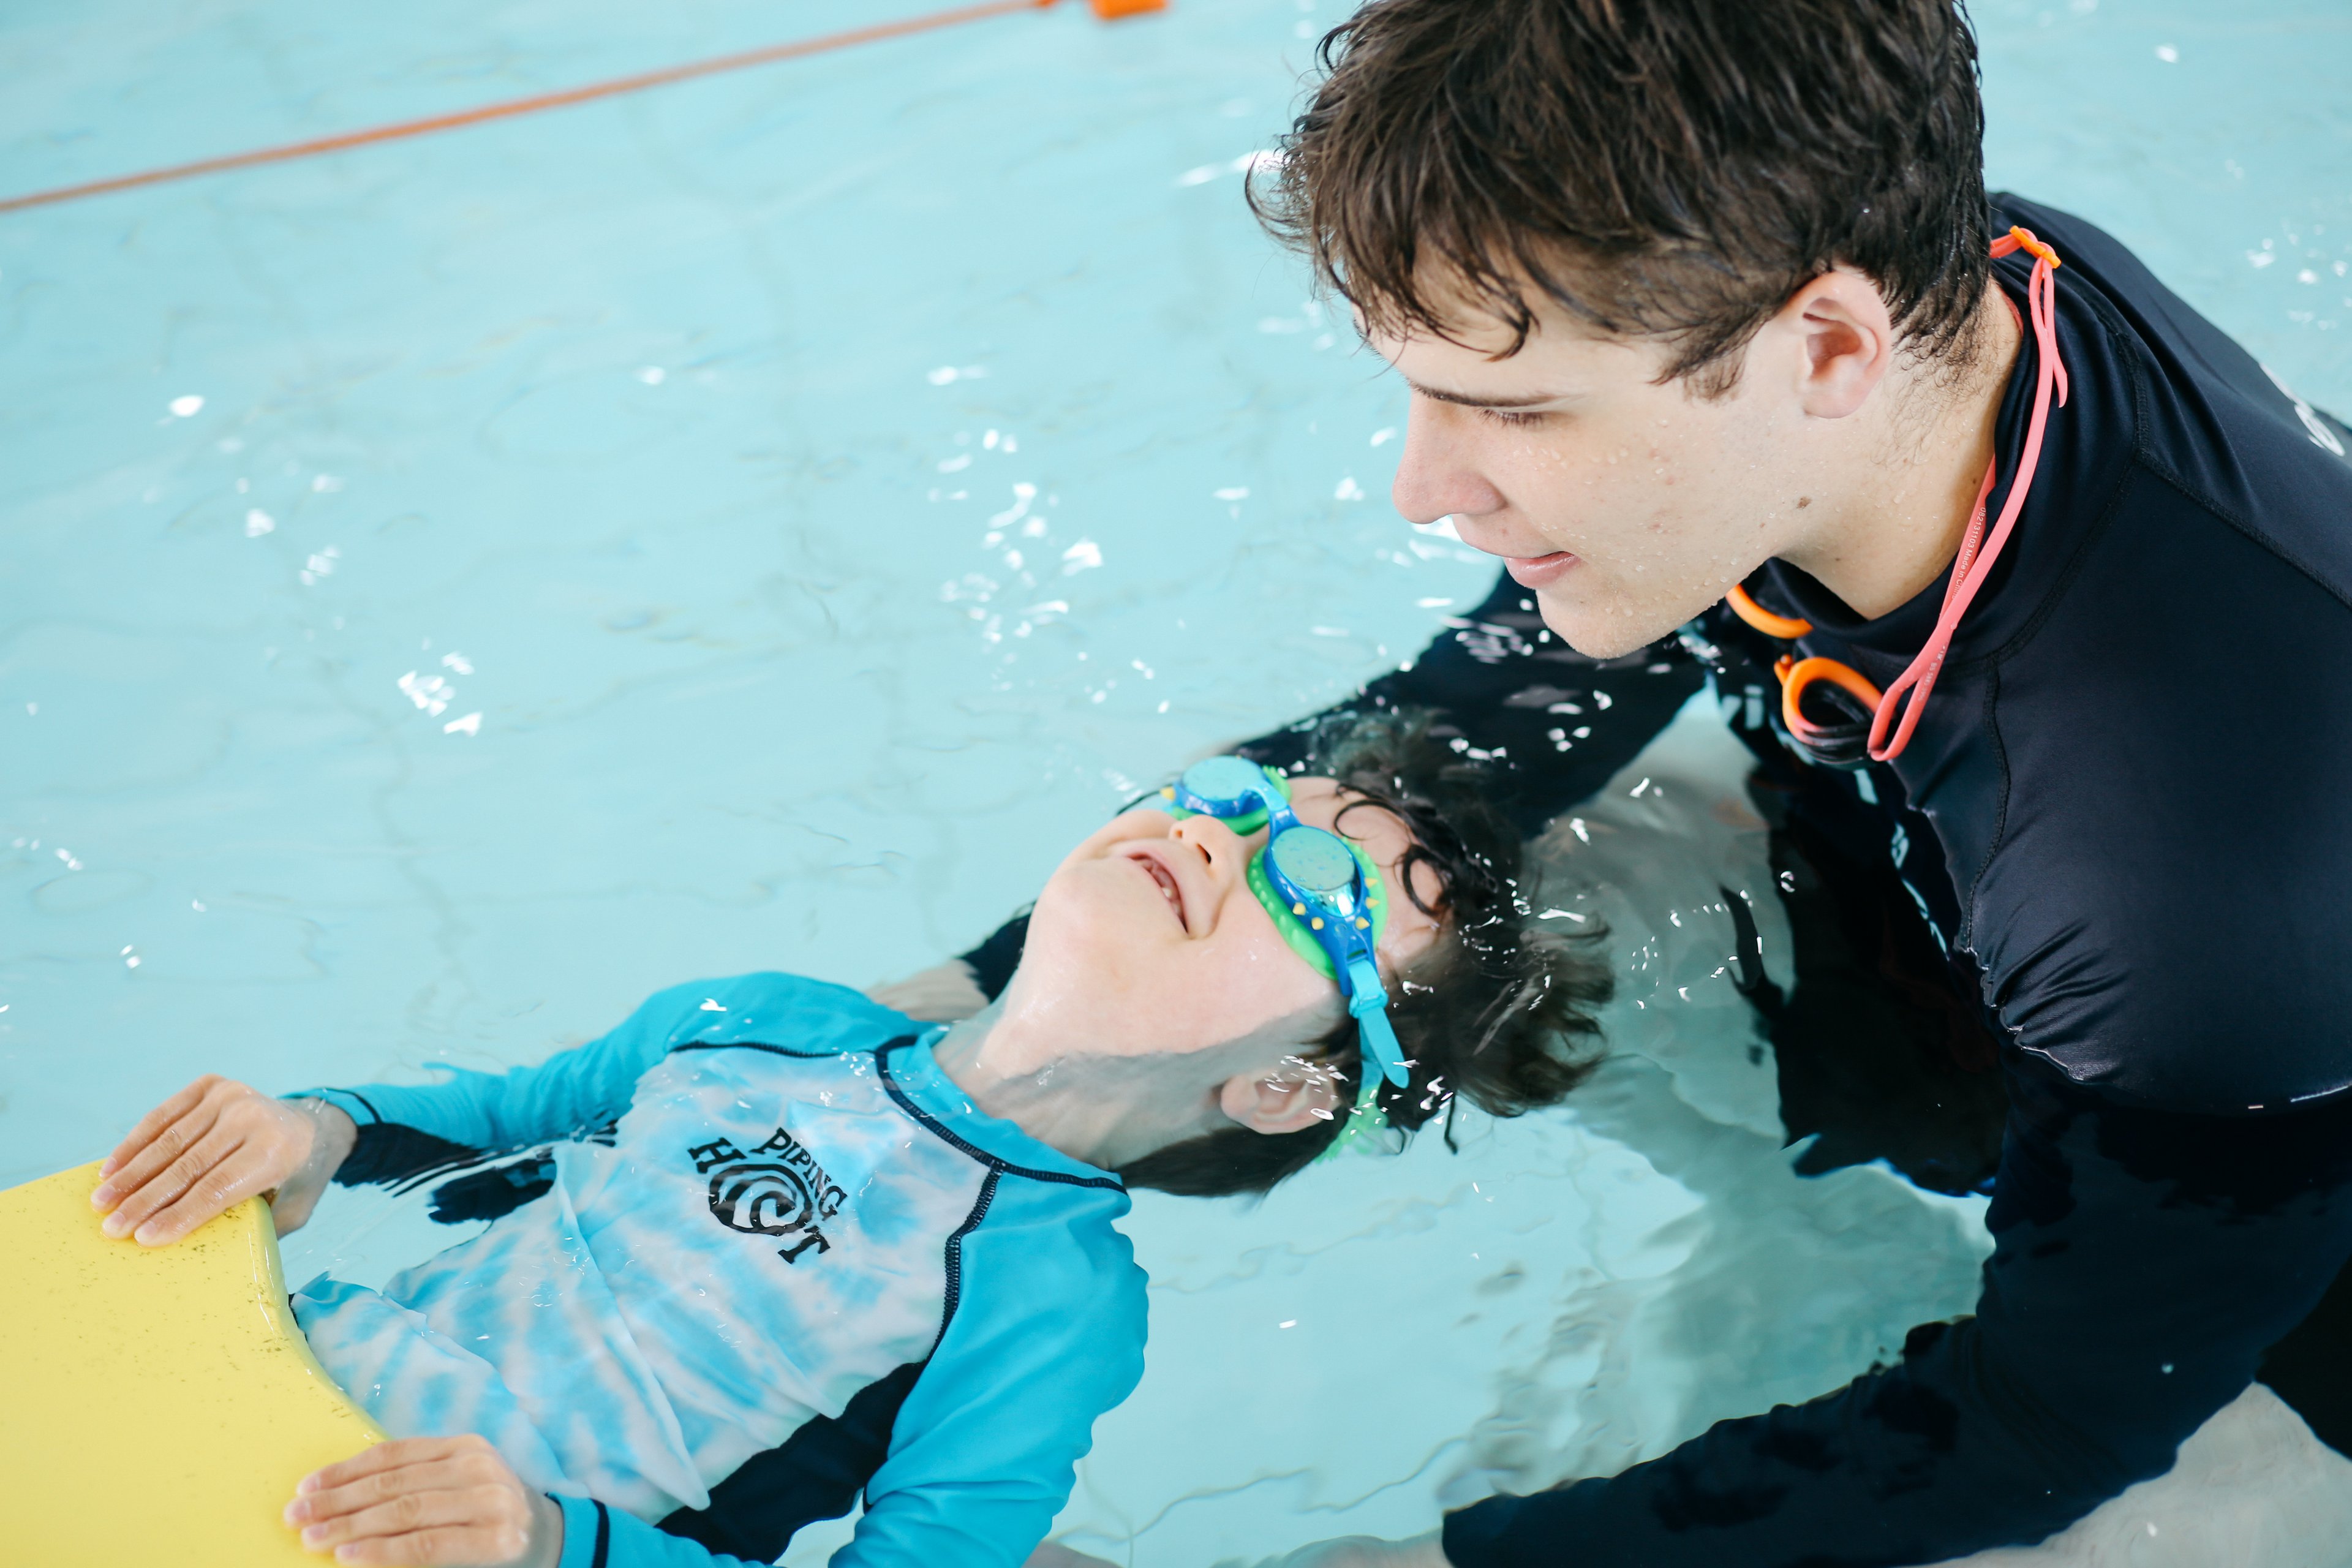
[450, 589]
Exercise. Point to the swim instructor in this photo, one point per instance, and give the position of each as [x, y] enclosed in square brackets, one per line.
[1699, 294]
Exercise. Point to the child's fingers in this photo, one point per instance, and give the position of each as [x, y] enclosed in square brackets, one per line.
[159, 1139]
[168, 1185]
[416, 1501]
[452, 1474]
[448, 1546]
[390, 1456]
[478, 1524]
[156, 1121]
[236, 1174]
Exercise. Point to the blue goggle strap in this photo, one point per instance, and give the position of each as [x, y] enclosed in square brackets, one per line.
[1368, 1002]
[1365, 1122]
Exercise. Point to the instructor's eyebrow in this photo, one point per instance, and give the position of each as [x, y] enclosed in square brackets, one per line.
[1467, 401]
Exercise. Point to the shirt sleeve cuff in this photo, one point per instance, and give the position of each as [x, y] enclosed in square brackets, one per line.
[351, 1105]
[587, 1534]
[595, 1536]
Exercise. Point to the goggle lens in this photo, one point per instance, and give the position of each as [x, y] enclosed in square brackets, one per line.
[1229, 782]
[1315, 861]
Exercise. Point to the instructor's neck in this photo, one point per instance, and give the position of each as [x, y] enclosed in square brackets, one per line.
[1917, 453]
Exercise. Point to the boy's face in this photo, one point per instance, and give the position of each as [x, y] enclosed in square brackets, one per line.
[1625, 507]
[1148, 941]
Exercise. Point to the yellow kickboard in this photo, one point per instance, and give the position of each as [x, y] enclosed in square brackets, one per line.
[156, 1404]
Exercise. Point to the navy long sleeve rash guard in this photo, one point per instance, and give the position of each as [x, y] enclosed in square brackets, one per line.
[2136, 770]
[2127, 813]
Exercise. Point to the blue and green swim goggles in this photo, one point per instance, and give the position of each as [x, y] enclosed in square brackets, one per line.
[1323, 892]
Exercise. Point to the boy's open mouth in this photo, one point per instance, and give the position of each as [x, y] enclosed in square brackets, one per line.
[1169, 888]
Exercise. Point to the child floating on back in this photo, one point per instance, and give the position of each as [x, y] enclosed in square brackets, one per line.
[785, 1245]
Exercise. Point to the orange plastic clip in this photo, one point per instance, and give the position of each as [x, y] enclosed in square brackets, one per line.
[2019, 238]
[1796, 673]
[1112, 10]
[1788, 628]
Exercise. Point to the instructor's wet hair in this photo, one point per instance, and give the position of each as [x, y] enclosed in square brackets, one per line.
[1670, 169]
[1499, 1011]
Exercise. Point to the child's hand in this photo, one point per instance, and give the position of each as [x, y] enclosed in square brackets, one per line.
[450, 1502]
[210, 1147]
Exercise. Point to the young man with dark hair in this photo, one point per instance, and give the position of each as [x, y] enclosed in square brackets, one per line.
[1699, 301]
[1693, 294]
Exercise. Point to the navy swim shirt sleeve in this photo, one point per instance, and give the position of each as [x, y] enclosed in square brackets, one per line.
[2143, 1262]
[1552, 724]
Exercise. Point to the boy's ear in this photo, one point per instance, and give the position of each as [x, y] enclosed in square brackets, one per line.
[1285, 1100]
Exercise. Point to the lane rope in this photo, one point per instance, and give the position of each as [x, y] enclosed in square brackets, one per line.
[561, 99]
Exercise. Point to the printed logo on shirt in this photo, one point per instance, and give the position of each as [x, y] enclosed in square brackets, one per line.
[777, 1189]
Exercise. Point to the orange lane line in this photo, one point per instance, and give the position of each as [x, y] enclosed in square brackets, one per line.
[531, 105]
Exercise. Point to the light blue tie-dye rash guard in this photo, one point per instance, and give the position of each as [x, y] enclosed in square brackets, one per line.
[795, 1204]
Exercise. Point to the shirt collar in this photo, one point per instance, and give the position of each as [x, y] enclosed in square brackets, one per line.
[914, 1071]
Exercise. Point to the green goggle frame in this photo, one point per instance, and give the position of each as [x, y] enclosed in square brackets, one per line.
[1302, 924]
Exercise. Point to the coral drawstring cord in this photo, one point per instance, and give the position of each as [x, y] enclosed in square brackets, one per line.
[1971, 567]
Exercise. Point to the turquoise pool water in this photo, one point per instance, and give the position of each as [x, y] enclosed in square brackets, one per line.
[450, 589]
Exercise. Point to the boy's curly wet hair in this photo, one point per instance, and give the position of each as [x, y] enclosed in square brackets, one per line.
[1498, 1011]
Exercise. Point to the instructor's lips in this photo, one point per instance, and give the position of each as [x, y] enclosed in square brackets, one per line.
[1535, 571]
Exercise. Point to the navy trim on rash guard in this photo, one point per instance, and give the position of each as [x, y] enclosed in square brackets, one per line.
[954, 1293]
[890, 1084]
[815, 1474]
[386, 1154]
[759, 1046]
[604, 1538]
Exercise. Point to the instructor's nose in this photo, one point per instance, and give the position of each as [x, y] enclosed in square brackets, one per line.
[1438, 476]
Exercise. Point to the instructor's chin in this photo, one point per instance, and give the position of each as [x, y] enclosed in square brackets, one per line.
[1596, 632]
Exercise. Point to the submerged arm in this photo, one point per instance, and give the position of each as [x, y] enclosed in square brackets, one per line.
[1551, 724]
[2142, 1263]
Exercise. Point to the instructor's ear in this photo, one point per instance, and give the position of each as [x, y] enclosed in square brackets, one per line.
[1838, 341]
[1285, 1100]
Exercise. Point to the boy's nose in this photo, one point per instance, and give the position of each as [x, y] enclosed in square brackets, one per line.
[1219, 845]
